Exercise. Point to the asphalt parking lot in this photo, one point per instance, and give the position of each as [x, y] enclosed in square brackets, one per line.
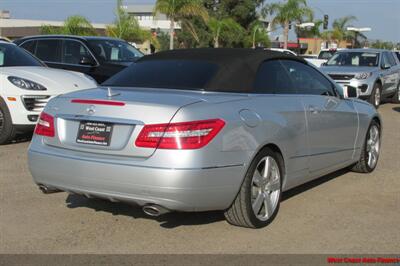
[341, 213]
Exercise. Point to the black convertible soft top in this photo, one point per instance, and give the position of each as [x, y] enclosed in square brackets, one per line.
[237, 68]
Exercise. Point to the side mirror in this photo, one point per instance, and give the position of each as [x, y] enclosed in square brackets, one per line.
[350, 92]
[87, 61]
[324, 64]
[385, 66]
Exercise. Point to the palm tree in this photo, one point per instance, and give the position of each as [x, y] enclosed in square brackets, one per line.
[126, 27]
[179, 9]
[340, 25]
[285, 13]
[216, 26]
[78, 25]
[73, 25]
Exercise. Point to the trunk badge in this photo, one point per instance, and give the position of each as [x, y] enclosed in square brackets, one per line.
[91, 110]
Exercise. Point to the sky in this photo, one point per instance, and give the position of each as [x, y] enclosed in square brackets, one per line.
[383, 16]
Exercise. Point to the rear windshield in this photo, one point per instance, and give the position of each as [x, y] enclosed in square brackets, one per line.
[168, 74]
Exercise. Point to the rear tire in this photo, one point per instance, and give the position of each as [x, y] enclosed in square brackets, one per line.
[7, 130]
[257, 202]
[376, 95]
[370, 150]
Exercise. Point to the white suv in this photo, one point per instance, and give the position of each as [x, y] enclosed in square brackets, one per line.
[26, 85]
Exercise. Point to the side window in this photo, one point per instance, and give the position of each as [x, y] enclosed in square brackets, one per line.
[272, 79]
[307, 80]
[392, 60]
[73, 52]
[29, 46]
[385, 60]
[49, 50]
[398, 55]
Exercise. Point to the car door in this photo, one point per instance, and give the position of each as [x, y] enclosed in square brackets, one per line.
[49, 51]
[393, 74]
[77, 57]
[387, 74]
[283, 115]
[332, 123]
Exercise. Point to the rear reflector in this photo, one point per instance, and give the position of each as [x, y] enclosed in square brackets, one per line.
[180, 136]
[100, 102]
[45, 125]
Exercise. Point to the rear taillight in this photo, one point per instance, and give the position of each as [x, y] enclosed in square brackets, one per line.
[45, 125]
[181, 136]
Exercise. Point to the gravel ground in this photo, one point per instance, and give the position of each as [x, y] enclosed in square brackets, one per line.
[341, 213]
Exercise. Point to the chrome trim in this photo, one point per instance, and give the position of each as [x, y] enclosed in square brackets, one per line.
[100, 119]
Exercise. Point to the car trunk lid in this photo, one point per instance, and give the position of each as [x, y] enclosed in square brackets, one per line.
[118, 114]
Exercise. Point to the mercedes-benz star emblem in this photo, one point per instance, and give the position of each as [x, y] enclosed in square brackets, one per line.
[91, 109]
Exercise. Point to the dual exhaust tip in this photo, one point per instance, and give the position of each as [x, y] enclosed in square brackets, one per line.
[48, 190]
[154, 210]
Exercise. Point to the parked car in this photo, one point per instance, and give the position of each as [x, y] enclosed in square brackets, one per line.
[376, 73]
[99, 57]
[323, 56]
[26, 85]
[285, 51]
[217, 129]
[4, 39]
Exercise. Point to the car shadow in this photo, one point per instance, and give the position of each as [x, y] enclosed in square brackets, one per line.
[176, 219]
[21, 137]
[168, 220]
[397, 109]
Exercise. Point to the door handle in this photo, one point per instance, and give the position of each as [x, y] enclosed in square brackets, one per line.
[313, 109]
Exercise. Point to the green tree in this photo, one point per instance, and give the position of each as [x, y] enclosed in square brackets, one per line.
[340, 25]
[225, 26]
[257, 35]
[73, 25]
[287, 12]
[176, 10]
[244, 12]
[378, 44]
[194, 33]
[126, 26]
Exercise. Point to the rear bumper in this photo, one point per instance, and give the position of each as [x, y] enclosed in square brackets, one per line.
[185, 189]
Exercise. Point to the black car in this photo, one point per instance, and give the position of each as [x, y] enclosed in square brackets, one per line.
[98, 57]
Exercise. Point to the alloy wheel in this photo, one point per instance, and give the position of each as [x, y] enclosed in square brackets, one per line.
[265, 188]
[373, 146]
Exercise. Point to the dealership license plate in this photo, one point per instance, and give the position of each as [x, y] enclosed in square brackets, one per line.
[95, 133]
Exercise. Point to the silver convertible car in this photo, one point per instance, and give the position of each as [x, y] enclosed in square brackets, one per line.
[204, 129]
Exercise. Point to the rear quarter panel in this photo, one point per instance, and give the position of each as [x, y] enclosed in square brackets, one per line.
[281, 122]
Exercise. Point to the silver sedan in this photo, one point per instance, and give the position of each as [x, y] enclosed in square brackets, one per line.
[204, 129]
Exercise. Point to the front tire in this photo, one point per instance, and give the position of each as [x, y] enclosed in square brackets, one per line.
[257, 202]
[370, 150]
[376, 95]
[7, 130]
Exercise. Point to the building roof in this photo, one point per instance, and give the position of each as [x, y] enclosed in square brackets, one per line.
[139, 8]
[19, 23]
[237, 67]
